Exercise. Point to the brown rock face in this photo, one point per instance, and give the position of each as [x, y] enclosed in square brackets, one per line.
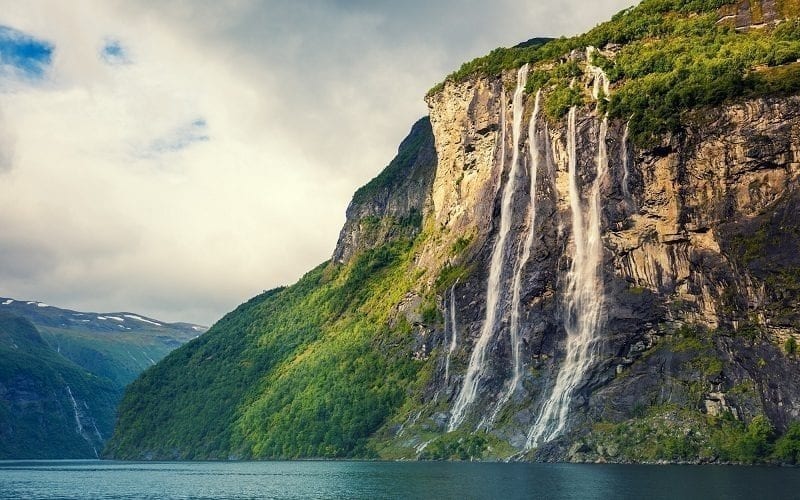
[691, 231]
[747, 14]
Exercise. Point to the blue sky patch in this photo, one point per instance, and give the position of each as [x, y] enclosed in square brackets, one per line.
[114, 53]
[24, 54]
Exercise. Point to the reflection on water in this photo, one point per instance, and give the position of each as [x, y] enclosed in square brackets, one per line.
[231, 480]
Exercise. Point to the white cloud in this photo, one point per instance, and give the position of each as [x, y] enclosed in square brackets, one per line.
[219, 159]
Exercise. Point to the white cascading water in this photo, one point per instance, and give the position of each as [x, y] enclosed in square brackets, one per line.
[600, 79]
[584, 294]
[453, 334]
[78, 425]
[626, 190]
[477, 360]
[516, 286]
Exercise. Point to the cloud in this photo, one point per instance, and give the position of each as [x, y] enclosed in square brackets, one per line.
[174, 158]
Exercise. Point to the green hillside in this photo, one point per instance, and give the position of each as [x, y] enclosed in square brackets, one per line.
[49, 406]
[116, 346]
[53, 359]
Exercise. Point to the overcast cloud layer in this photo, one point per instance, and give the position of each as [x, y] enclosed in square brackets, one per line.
[174, 158]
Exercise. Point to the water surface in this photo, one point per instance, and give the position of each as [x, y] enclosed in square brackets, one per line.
[375, 480]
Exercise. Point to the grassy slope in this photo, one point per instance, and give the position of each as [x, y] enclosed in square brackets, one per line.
[313, 369]
[118, 356]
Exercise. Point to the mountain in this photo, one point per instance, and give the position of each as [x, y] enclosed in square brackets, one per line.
[117, 346]
[49, 406]
[62, 374]
[587, 252]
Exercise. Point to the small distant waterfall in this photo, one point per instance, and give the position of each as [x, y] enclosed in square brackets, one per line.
[453, 334]
[78, 425]
[584, 295]
[477, 361]
[516, 286]
[600, 79]
[626, 190]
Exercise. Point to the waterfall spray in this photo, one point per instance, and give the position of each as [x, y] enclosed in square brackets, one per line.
[477, 361]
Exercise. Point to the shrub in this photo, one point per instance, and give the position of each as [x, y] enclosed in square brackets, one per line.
[790, 346]
[787, 448]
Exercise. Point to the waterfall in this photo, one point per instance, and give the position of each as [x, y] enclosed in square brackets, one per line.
[626, 190]
[477, 360]
[516, 287]
[584, 294]
[533, 149]
[78, 424]
[600, 79]
[453, 334]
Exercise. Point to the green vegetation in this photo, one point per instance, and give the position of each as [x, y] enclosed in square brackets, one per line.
[401, 168]
[673, 434]
[746, 444]
[37, 417]
[560, 99]
[311, 370]
[787, 448]
[674, 57]
[449, 275]
[456, 446]
[790, 346]
[461, 244]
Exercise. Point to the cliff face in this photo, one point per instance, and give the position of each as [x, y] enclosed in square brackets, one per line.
[698, 269]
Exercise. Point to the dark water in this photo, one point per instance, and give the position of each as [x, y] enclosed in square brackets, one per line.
[373, 480]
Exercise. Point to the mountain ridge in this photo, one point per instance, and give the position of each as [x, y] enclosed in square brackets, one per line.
[63, 374]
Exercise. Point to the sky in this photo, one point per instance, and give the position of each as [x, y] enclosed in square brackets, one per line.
[174, 158]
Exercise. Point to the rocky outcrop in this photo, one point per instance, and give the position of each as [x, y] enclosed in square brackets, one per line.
[750, 14]
[699, 264]
[392, 204]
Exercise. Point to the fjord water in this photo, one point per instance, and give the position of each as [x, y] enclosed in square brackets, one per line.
[377, 480]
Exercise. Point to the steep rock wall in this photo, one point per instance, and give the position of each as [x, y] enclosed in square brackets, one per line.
[677, 223]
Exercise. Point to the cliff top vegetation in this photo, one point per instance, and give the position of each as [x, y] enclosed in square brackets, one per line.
[664, 58]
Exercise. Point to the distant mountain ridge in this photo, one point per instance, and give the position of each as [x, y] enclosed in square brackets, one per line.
[62, 374]
[43, 314]
[116, 345]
